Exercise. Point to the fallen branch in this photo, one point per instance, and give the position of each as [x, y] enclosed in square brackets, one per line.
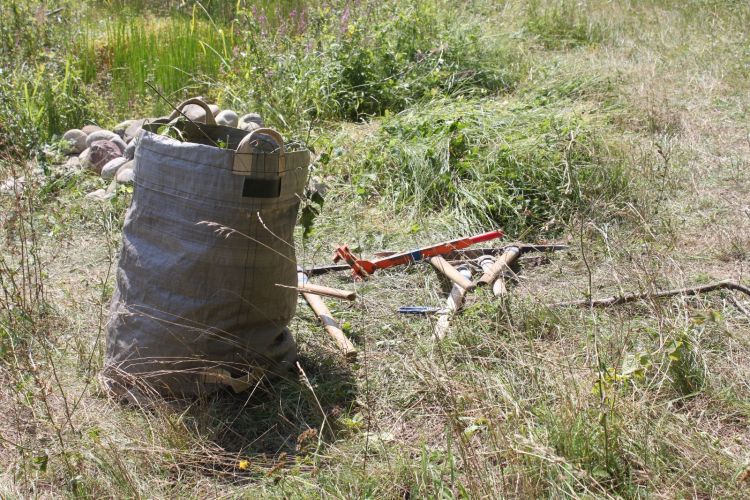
[624, 299]
[740, 307]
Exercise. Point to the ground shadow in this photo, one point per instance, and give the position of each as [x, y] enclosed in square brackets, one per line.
[280, 418]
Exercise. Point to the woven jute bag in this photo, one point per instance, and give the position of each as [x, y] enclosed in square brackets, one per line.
[206, 277]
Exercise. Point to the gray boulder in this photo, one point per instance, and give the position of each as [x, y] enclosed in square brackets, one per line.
[100, 195]
[73, 163]
[251, 121]
[99, 154]
[126, 174]
[90, 129]
[134, 128]
[110, 169]
[77, 140]
[99, 135]
[129, 152]
[120, 143]
[121, 127]
[194, 112]
[228, 118]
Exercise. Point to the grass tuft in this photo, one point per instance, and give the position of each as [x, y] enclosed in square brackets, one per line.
[488, 163]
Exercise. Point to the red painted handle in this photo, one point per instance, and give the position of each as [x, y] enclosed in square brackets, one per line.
[362, 268]
[432, 251]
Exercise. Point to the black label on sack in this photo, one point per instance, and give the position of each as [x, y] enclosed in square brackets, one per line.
[261, 188]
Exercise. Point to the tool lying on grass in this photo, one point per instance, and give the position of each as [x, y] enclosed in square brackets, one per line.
[493, 262]
[493, 271]
[418, 310]
[362, 268]
[324, 315]
[494, 268]
[452, 305]
[454, 258]
[327, 291]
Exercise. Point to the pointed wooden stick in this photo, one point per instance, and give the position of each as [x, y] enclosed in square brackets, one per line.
[492, 273]
[442, 266]
[327, 291]
[326, 318]
[452, 305]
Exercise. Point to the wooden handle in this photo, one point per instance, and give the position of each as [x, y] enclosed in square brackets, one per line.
[324, 314]
[504, 261]
[452, 305]
[450, 272]
[327, 291]
[244, 146]
[208, 119]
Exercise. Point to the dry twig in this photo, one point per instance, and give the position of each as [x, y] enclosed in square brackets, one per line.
[624, 299]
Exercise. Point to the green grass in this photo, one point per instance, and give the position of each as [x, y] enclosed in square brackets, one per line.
[174, 54]
[511, 163]
[619, 128]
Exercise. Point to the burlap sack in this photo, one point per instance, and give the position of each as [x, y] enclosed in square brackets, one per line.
[207, 273]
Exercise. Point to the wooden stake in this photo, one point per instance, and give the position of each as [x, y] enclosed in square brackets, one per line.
[452, 305]
[442, 266]
[327, 291]
[492, 273]
[329, 323]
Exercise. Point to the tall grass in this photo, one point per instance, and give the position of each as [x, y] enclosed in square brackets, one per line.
[511, 163]
[41, 100]
[562, 23]
[355, 61]
[175, 54]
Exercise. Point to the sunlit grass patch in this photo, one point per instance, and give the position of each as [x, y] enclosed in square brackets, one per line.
[511, 163]
[176, 54]
[562, 24]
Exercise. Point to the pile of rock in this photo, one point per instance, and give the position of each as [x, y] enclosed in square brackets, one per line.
[109, 153]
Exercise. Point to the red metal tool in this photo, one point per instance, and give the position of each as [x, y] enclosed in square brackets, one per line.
[363, 268]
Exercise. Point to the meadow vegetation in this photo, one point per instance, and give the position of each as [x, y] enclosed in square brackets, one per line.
[617, 127]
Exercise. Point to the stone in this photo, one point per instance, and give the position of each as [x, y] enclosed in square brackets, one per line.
[83, 158]
[129, 152]
[214, 109]
[100, 195]
[119, 142]
[110, 169]
[134, 128]
[73, 163]
[99, 135]
[126, 174]
[228, 118]
[250, 122]
[194, 112]
[90, 129]
[249, 118]
[100, 153]
[77, 140]
[112, 188]
[249, 126]
[12, 185]
[121, 127]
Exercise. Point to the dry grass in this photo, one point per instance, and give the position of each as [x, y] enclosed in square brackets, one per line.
[520, 400]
